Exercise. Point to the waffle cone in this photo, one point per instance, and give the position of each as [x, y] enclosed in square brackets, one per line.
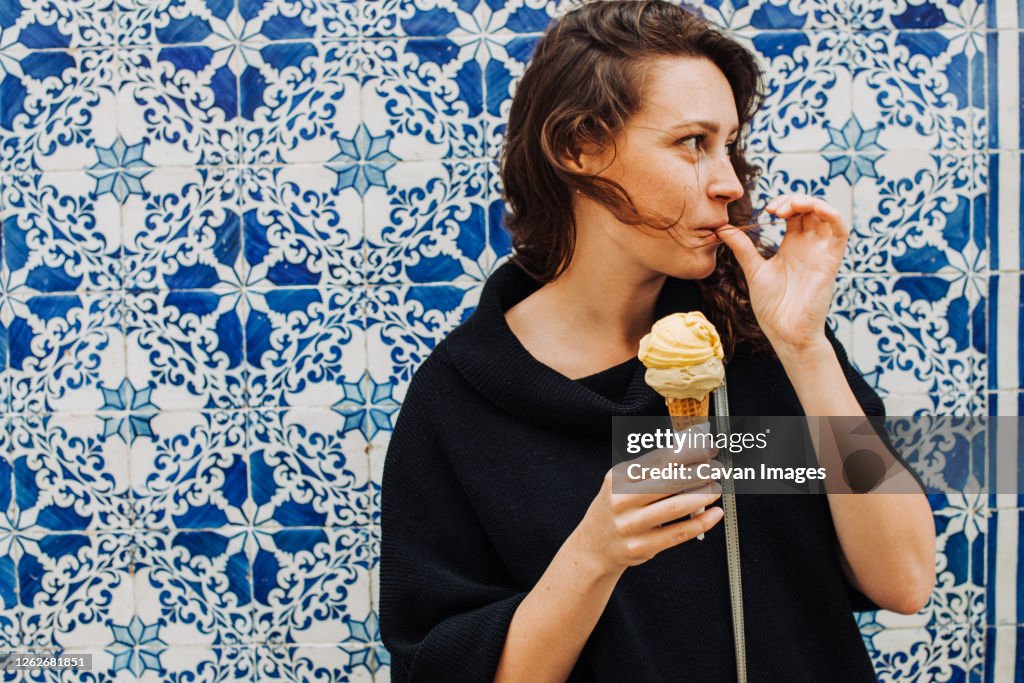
[687, 412]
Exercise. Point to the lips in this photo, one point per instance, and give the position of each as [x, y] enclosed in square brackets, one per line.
[710, 229]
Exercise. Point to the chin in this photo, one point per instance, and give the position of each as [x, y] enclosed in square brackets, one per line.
[697, 267]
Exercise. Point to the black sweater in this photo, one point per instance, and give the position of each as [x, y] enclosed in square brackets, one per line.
[494, 461]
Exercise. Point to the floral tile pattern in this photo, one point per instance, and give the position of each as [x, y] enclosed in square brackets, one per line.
[232, 230]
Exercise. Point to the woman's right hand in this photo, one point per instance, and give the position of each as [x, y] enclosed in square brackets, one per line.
[623, 530]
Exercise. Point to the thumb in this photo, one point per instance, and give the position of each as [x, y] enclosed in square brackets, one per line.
[742, 247]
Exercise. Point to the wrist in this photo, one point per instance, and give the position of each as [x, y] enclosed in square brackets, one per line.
[814, 353]
[587, 558]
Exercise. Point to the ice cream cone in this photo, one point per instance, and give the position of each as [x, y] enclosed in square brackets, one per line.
[687, 412]
[683, 355]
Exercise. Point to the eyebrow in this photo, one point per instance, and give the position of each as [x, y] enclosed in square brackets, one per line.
[710, 125]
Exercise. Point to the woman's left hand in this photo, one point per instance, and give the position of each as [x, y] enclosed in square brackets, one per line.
[791, 291]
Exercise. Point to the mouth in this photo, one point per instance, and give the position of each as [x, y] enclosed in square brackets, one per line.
[710, 230]
[714, 227]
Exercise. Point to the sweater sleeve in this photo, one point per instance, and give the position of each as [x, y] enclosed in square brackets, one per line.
[446, 599]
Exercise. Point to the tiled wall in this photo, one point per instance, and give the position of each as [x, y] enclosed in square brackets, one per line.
[232, 229]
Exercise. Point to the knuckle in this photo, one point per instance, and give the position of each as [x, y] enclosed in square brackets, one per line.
[622, 527]
[634, 550]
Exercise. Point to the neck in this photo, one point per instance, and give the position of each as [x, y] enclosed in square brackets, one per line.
[599, 295]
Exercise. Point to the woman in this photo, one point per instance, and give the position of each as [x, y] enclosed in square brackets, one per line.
[505, 555]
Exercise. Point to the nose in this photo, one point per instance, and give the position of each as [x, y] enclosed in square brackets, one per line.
[723, 183]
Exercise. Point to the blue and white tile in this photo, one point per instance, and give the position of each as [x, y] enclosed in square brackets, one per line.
[1005, 322]
[185, 349]
[763, 15]
[911, 15]
[919, 212]
[308, 662]
[368, 630]
[1003, 662]
[807, 84]
[932, 654]
[65, 351]
[428, 223]
[1005, 576]
[1005, 211]
[302, 345]
[850, 15]
[61, 233]
[176, 22]
[1005, 95]
[9, 527]
[278, 20]
[499, 241]
[1004, 646]
[71, 472]
[424, 97]
[405, 323]
[1005, 13]
[211, 21]
[911, 89]
[5, 380]
[310, 583]
[309, 467]
[72, 586]
[41, 25]
[1004, 465]
[183, 230]
[433, 18]
[501, 75]
[924, 404]
[961, 522]
[193, 587]
[912, 334]
[300, 103]
[58, 107]
[303, 226]
[189, 470]
[181, 102]
[154, 663]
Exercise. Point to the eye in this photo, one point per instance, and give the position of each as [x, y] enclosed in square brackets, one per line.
[691, 142]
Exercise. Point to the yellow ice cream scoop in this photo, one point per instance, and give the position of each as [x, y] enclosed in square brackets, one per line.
[680, 339]
[683, 356]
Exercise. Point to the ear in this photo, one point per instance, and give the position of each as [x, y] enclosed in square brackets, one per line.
[585, 157]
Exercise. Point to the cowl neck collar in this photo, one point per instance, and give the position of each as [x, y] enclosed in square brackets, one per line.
[494, 362]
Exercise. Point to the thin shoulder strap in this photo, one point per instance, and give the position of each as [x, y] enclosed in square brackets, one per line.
[732, 543]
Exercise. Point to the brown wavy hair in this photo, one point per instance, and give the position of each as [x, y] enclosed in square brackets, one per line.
[584, 81]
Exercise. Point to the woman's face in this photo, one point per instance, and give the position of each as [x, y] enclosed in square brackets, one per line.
[673, 159]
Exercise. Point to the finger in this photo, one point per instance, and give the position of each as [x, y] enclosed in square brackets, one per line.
[828, 221]
[675, 507]
[776, 202]
[686, 530]
[742, 247]
[638, 492]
